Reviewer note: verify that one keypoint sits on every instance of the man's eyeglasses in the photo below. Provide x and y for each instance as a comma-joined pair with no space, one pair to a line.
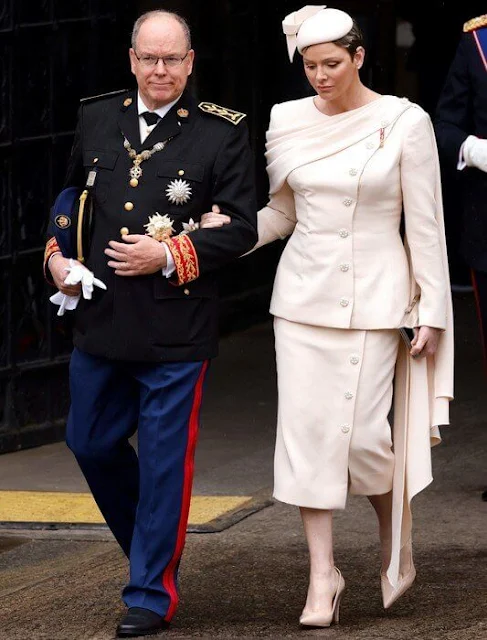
168,61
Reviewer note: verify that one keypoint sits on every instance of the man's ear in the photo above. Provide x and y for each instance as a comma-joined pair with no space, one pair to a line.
190,59
133,60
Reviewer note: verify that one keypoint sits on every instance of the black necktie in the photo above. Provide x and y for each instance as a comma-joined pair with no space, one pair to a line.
150,118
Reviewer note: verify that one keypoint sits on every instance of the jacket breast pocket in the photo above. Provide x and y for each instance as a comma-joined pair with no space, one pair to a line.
180,182
103,162
187,315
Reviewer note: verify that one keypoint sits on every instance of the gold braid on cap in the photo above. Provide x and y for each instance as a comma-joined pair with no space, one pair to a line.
475,23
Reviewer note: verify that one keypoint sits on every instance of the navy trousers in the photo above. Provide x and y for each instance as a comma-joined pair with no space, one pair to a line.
144,498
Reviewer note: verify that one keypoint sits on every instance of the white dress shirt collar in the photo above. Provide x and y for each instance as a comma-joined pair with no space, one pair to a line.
160,112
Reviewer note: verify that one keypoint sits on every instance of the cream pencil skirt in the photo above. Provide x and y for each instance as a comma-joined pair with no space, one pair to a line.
334,397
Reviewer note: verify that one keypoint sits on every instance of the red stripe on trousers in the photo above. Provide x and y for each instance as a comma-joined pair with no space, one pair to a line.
169,575
479,315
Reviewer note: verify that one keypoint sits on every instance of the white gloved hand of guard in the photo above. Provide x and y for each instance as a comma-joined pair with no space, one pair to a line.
475,153
77,274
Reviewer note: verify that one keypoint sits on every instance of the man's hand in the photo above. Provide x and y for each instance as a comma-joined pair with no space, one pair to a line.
425,342
137,255
214,219
58,266
475,152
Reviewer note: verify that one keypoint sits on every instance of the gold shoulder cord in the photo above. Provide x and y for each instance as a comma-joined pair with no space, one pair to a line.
79,231
475,23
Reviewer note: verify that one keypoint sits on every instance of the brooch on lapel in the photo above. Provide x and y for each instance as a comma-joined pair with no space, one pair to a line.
178,192
159,227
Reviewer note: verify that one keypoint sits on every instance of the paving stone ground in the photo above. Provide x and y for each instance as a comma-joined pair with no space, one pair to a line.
249,581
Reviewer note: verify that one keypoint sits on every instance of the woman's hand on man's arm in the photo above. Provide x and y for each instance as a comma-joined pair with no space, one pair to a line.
214,219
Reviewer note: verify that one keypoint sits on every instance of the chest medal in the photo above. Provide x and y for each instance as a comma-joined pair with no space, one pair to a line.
178,192
138,158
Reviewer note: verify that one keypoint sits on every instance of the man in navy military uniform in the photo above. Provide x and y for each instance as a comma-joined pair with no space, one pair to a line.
142,347
461,129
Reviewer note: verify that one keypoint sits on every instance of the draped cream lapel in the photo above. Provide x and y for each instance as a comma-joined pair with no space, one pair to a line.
308,140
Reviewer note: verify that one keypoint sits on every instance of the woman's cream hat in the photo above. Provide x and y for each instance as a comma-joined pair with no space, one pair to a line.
314,24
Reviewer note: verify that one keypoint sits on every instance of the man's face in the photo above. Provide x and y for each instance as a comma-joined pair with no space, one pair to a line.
160,84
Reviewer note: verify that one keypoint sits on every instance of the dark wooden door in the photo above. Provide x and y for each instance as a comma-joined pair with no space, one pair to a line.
52,52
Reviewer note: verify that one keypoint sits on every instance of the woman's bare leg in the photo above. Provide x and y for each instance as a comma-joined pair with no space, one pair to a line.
383,508
318,529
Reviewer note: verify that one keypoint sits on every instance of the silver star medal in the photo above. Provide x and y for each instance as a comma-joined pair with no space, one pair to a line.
178,192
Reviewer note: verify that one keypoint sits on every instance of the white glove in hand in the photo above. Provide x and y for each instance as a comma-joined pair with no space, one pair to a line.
475,152
77,274
66,303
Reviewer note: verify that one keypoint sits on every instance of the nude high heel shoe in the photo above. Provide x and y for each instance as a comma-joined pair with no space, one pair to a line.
389,593
317,619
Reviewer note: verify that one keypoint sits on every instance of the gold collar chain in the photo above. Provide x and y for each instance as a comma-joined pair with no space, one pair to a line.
137,158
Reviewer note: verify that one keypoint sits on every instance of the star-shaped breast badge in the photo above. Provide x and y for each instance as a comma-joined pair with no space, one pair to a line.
178,192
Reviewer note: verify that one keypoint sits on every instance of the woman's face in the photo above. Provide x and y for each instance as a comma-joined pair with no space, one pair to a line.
330,69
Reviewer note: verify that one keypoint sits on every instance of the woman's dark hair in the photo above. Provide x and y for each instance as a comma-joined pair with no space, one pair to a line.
352,40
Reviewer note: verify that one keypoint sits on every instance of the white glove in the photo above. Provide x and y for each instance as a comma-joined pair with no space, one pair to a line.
66,303
475,152
77,274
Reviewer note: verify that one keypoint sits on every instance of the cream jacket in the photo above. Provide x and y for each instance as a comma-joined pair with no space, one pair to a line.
338,187
340,196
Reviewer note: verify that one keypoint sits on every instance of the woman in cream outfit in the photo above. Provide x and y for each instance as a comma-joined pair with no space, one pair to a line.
342,167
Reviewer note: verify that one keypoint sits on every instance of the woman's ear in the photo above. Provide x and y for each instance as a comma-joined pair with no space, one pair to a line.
359,57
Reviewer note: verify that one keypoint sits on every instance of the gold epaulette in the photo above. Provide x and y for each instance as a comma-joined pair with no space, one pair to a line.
222,112
110,94
475,23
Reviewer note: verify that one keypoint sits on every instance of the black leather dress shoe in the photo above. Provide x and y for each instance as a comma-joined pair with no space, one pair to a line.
140,622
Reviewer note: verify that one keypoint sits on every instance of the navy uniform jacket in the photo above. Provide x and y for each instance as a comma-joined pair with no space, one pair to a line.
152,318
462,111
